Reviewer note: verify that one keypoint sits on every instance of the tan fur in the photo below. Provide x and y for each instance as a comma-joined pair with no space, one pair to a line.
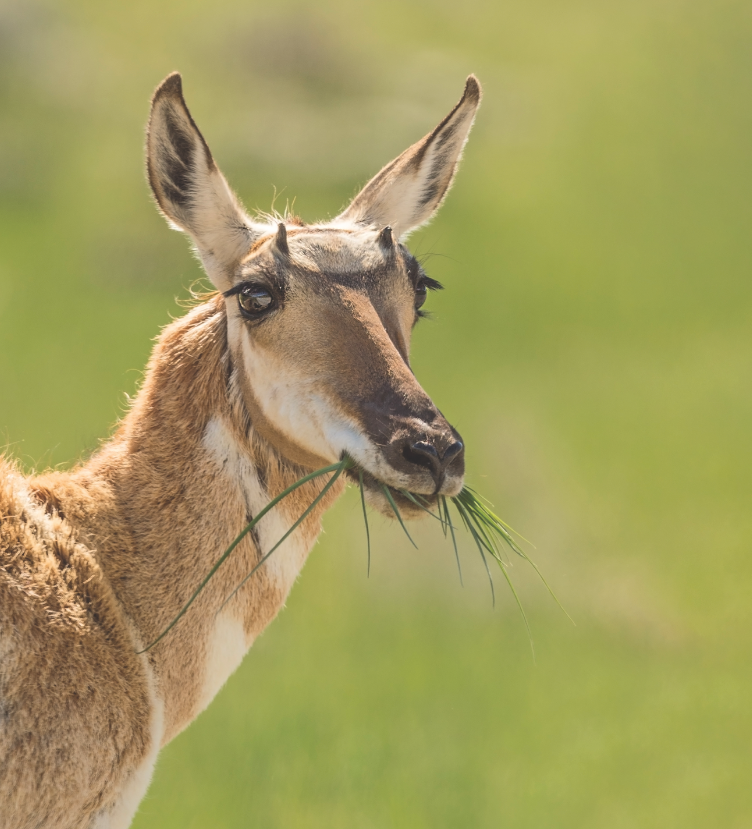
69,677
96,562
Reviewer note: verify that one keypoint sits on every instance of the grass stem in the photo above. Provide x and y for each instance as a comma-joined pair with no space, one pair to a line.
448,519
396,511
345,463
365,519
292,529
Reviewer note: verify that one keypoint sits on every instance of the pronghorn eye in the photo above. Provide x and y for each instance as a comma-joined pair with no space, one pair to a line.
254,301
421,292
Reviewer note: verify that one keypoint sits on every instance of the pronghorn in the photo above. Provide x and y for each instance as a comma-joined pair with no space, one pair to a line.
300,356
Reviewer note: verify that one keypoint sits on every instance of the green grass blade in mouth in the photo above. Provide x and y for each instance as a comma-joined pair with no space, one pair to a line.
483,530
448,521
519,604
471,522
445,514
365,518
482,509
396,511
471,529
345,463
548,587
494,524
486,505
478,531
411,497
292,529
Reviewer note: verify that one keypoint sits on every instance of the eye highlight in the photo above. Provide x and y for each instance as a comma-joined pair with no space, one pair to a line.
254,301
421,293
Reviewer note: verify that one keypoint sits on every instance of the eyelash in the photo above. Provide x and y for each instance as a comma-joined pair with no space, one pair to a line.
431,285
238,289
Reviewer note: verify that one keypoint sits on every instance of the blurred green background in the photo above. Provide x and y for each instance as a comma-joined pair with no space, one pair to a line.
592,345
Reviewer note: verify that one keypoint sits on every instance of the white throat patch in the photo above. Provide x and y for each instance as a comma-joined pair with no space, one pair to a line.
286,562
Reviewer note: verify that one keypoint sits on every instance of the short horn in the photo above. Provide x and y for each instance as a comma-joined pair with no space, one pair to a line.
280,240
386,238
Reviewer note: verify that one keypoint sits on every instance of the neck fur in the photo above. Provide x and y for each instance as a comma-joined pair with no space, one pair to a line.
161,501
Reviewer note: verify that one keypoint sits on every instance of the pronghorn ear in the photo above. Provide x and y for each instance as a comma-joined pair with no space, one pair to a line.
189,188
409,190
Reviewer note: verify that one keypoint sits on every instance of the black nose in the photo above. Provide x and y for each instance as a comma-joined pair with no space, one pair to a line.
425,454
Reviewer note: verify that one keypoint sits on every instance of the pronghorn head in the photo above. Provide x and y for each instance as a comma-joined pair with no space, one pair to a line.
319,317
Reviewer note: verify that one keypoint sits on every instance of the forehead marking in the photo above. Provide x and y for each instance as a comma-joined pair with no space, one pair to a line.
297,230
333,252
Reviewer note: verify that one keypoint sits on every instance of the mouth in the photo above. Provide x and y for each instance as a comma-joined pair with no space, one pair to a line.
384,497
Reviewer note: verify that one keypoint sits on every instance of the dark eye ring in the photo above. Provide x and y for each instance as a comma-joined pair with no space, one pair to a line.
421,292
255,301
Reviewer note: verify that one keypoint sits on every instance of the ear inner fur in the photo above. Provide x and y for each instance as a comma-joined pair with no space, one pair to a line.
177,151
189,188
410,189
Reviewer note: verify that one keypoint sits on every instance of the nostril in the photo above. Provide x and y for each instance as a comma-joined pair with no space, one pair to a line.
422,454
426,455
423,448
452,451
